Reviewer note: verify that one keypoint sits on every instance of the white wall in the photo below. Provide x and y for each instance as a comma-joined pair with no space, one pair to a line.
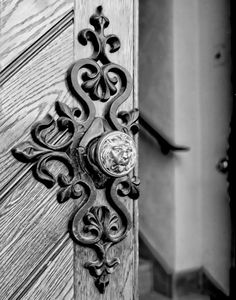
185,90
156,205
187,131
202,115
215,101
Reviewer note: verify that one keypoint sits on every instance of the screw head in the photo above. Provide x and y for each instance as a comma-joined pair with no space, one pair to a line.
223,165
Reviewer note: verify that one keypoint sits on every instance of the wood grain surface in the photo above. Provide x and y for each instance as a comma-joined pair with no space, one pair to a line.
29,95
24,21
31,220
123,23
57,282
31,223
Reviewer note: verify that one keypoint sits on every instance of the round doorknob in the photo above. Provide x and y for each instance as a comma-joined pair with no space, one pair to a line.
115,153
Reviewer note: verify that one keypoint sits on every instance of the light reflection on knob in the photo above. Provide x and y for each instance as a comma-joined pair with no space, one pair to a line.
116,153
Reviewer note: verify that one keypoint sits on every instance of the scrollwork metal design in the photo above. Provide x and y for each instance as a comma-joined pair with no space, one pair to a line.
72,138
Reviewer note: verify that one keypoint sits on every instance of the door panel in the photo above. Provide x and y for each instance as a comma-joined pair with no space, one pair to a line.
57,282
32,222
31,219
23,22
40,257
29,95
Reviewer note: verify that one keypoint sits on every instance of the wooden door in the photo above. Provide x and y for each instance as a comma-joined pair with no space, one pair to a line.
68,225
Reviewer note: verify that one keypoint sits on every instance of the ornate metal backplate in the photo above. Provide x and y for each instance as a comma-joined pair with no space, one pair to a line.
98,152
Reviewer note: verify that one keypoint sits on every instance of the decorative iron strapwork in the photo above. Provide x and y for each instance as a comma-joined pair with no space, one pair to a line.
98,151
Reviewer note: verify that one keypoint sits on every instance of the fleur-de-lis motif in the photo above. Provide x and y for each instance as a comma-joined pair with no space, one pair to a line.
99,84
68,140
99,221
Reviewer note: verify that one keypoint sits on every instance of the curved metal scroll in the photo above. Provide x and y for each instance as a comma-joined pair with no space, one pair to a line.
72,140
